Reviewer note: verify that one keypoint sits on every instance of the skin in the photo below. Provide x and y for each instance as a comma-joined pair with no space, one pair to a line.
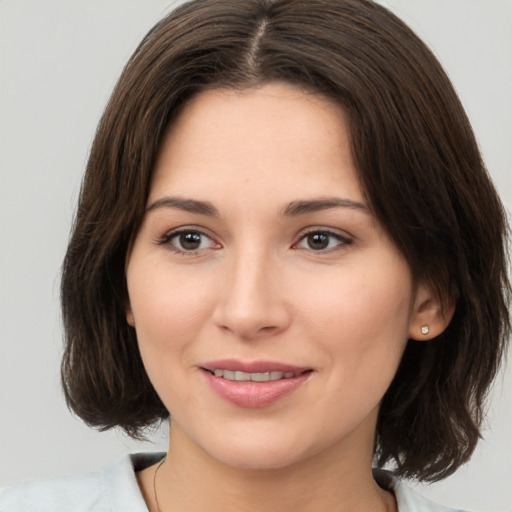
257,288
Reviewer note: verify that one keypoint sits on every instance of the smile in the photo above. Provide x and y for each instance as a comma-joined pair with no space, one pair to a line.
240,376
256,384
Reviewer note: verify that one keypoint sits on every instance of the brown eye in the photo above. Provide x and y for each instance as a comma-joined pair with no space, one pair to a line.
190,241
322,241
318,241
187,241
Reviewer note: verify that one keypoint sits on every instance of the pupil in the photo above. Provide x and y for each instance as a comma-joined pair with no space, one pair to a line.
190,241
318,241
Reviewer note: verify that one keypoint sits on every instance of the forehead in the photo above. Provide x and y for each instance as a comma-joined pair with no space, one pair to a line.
276,133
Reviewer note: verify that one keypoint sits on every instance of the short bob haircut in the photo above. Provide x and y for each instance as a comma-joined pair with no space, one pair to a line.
419,167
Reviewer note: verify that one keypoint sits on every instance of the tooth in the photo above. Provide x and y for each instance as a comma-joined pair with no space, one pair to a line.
229,374
239,376
260,377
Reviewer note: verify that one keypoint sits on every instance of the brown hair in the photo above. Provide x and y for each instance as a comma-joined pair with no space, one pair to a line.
420,170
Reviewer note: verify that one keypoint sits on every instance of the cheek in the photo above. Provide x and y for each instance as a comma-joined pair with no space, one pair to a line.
170,309
360,316
162,298
362,299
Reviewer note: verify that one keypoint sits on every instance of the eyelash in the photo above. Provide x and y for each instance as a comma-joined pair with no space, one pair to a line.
166,240
343,240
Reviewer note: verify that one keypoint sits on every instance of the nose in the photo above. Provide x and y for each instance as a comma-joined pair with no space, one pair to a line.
251,304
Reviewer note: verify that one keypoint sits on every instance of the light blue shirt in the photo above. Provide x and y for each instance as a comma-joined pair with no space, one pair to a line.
116,490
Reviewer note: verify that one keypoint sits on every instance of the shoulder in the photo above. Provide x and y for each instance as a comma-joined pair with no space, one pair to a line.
115,488
73,493
407,499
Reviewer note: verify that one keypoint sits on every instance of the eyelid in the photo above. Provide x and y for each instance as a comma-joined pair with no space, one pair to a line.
343,237
165,239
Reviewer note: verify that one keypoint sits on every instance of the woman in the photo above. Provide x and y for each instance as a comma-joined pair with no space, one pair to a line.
287,240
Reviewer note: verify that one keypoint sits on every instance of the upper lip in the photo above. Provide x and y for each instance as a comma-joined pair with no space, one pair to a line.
252,367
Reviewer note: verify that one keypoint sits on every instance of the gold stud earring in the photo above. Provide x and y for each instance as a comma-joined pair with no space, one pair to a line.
424,329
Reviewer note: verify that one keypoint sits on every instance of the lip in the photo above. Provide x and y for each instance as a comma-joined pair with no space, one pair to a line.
252,367
250,394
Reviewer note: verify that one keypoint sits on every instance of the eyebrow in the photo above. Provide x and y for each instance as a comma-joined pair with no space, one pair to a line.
188,205
293,209
324,203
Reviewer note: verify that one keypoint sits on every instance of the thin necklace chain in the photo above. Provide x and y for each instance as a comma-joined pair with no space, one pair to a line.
154,483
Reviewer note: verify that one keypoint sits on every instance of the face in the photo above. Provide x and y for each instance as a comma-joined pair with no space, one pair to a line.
270,307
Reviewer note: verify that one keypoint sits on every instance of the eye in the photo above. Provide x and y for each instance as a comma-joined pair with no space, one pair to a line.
187,240
322,240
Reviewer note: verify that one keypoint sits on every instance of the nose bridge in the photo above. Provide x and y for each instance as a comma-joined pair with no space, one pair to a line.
252,303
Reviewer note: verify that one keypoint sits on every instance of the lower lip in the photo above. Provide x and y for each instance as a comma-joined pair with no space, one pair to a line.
254,394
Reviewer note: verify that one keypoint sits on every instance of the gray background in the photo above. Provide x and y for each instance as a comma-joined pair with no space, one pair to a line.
59,60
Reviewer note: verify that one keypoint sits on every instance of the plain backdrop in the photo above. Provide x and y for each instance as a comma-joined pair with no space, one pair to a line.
59,60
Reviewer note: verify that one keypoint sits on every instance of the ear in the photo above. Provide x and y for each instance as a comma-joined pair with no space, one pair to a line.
129,316
431,313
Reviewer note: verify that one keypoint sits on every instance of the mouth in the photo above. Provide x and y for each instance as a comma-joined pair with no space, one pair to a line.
256,371
240,376
255,384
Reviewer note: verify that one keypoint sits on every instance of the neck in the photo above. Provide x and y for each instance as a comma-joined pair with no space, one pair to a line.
192,480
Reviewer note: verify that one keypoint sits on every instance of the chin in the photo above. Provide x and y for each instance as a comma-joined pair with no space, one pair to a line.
253,452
